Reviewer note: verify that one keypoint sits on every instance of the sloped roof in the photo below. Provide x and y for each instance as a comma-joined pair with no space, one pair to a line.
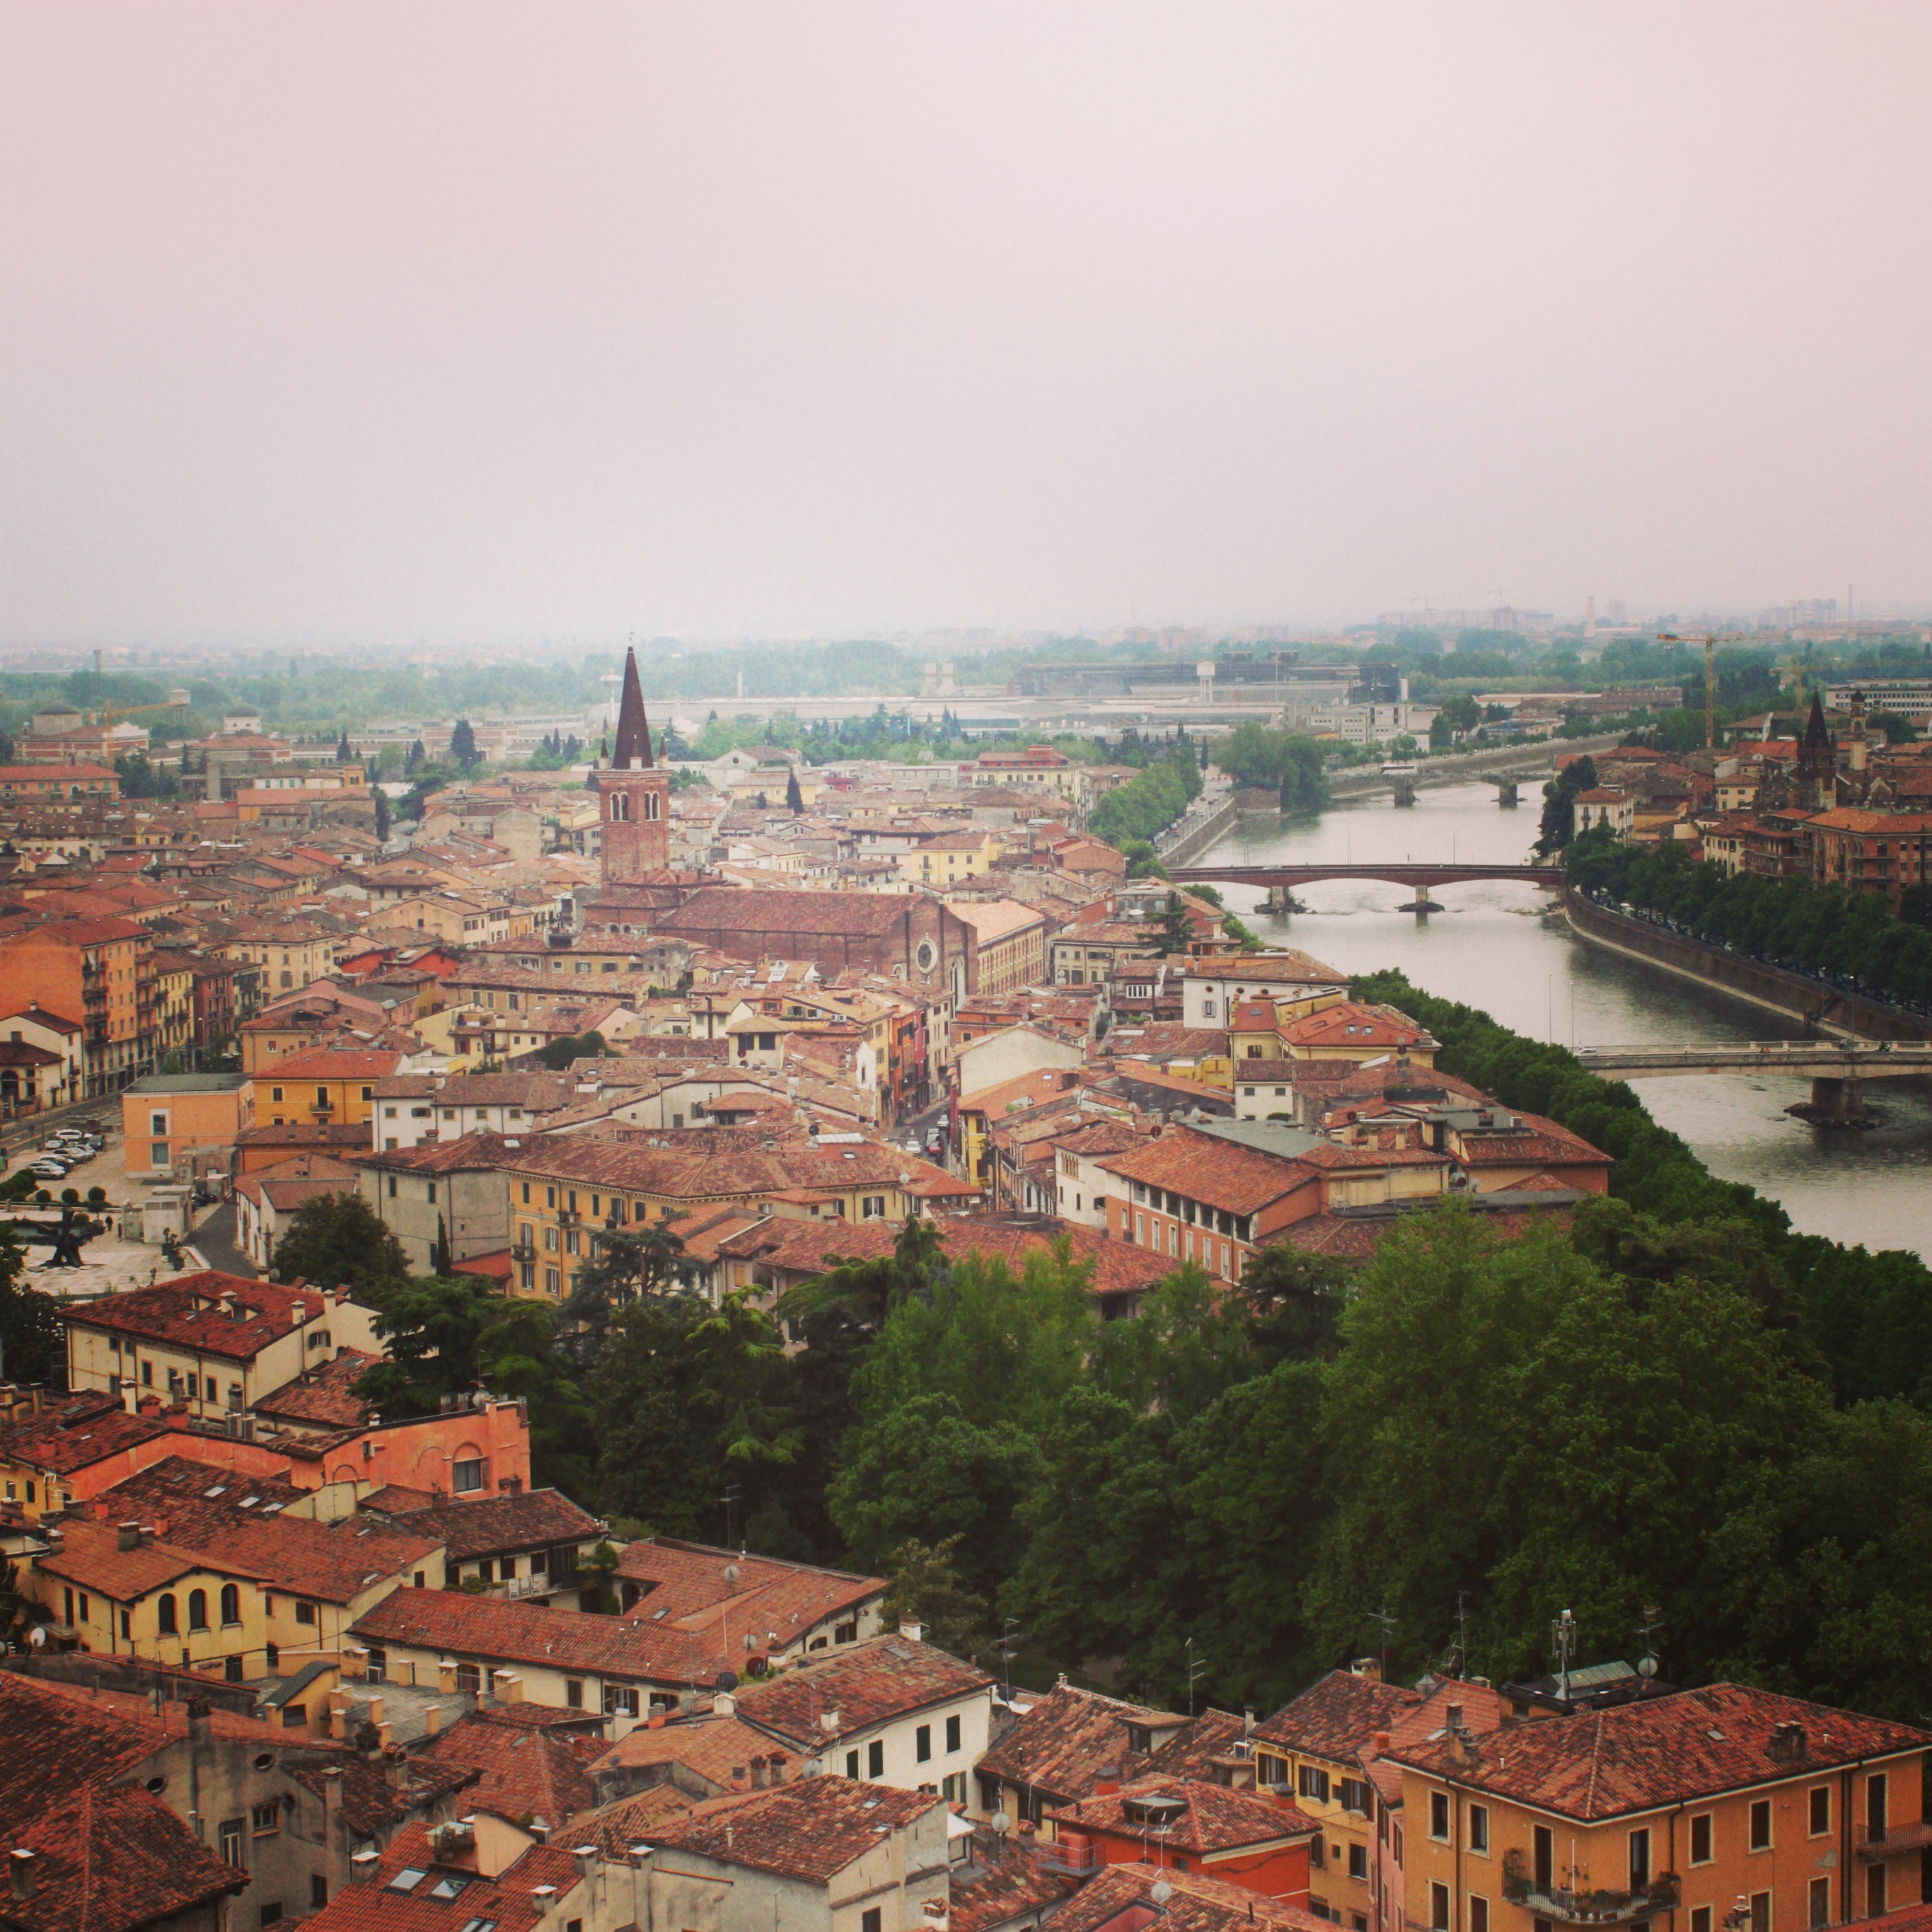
186,1311
1337,1715
1692,1744
1216,1817
1191,1903
810,1831
75,1434
526,1773
491,1524
867,1685
1066,1738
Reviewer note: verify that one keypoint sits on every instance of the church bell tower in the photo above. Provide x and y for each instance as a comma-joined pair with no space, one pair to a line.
634,793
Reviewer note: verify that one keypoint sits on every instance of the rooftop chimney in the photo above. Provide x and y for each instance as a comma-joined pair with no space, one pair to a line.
20,1870
127,1537
912,1629
1369,1667
362,1867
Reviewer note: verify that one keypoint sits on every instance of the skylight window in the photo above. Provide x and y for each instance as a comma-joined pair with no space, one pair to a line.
408,1878
220,1489
247,1502
448,1887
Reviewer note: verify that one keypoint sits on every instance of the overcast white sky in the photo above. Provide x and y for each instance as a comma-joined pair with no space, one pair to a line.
362,321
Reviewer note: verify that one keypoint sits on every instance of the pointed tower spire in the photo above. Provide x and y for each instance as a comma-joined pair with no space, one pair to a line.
633,732
1816,731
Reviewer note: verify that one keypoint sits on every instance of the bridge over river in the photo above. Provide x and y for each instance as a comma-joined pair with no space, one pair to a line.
1835,1067
1278,881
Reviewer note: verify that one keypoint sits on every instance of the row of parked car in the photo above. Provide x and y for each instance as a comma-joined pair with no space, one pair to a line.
62,1152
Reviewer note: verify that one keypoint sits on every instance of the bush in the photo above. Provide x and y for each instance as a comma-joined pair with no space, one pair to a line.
70,1197
96,1196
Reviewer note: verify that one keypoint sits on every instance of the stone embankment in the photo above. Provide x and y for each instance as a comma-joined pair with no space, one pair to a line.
1831,1010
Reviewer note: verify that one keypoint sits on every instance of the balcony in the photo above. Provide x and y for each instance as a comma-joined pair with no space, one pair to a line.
520,1589
1915,1837
1581,1904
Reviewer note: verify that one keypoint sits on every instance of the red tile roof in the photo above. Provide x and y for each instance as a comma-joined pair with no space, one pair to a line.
1243,1180
74,1434
810,1831
1337,1715
507,1901
187,1312
323,1395
1066,1738
1213,1817
91,1557
329,1063
1005,1879
525,1773
232,1520
1691,1745
105,1859
1352,1023
491,1525
866,1685
711,1746
1189,1902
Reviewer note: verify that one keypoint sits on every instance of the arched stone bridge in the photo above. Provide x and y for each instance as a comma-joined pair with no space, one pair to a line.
1281,878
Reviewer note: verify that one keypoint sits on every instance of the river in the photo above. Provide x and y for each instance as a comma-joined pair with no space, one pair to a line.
1493,948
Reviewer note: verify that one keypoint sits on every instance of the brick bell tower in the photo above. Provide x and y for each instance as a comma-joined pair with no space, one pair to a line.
634,793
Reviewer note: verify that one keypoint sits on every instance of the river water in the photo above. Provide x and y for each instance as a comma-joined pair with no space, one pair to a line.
1493,947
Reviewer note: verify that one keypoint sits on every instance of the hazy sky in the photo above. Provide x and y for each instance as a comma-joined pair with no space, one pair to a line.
403,320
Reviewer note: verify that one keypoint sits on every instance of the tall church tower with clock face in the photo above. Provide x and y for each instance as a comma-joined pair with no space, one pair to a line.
633,793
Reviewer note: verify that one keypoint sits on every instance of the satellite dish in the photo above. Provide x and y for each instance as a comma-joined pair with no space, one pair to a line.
1162,1892
1002,1823
1646,1667
726,1680
37,1635
730,1573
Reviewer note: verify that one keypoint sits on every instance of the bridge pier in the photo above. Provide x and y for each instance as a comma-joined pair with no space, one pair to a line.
1424,905
1834,1102
1404,790
1505,791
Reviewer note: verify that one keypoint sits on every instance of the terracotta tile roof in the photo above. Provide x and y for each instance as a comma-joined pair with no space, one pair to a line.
74,1434
1538,1140
1352,1023
686,1582
757,909
1225,1175
507,1901
492,1524
187,1312
1266,969
712,1746
295,1134
323,1395
810,1831
1191,1903
1005,1879
702,1172
1067,1738
867,1685
91,1557
1337,1715
326,1062
523,1774
1692,1744
633,1648
643,1817
1215,1817
303,1177
334,1562
105,1858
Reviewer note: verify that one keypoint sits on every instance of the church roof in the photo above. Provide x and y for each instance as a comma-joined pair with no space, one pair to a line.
633,750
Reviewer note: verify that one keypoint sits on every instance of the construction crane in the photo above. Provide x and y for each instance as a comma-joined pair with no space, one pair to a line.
111,714
1710,641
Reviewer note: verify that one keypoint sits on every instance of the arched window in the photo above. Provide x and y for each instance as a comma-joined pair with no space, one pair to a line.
197,1609
620,806
165,1610
650,805
231,1604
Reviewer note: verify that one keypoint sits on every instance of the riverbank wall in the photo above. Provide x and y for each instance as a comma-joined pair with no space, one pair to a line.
1517,760
1195,835
1826,1009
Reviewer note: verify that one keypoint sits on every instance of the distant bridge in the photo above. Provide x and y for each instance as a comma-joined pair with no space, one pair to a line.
1278,879
1835,1068
1819,1059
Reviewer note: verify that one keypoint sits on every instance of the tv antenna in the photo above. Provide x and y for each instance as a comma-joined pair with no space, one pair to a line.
1456,1663
1008,1644
1196,1670
1385,1618
1653,1618
1563,1639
